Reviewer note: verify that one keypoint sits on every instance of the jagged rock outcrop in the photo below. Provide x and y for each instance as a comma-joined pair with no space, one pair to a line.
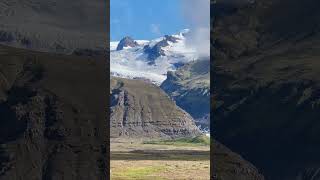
171,38
52,114
126,42
156,51
189,86
56,25
266,84
139,109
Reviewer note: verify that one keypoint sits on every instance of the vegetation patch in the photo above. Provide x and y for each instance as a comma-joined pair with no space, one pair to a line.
141,173
195,141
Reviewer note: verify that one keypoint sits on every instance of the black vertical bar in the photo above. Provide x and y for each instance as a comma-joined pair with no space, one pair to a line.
108,85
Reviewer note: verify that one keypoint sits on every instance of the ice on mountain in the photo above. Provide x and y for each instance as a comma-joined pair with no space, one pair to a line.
135,62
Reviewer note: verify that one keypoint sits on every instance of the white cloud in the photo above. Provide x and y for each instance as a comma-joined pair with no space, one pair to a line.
197,14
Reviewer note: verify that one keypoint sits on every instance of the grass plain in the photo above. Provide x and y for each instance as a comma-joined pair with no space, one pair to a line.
160,159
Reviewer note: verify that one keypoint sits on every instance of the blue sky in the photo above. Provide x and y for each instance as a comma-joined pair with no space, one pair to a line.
145,19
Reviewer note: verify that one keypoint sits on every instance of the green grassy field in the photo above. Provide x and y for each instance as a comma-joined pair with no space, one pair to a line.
196,141
138,173
160,160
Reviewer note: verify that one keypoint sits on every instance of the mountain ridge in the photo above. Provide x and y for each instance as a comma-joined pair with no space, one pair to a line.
150,59
140,109
189,86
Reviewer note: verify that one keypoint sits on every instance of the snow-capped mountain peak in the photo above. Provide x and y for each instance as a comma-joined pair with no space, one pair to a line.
150,60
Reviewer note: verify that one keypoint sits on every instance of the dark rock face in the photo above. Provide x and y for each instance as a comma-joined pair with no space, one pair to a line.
6,36
189,86
126,42
139,109
50,128
309,174
171,38
228,165
25,24
265,74
157,51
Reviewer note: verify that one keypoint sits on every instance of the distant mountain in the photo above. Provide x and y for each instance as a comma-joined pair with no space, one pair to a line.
126,42
55,25
157,50
150,60
140,109
189,86
169,62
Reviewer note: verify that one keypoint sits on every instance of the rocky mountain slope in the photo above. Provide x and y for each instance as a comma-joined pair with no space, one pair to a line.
151,61
228,165
266,84
52,110
140,109
55,25
126,42
189,86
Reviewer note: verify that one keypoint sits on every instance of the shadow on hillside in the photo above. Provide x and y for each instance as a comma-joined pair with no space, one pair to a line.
170,155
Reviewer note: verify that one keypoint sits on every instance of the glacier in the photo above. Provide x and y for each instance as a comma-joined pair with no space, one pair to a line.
133,62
